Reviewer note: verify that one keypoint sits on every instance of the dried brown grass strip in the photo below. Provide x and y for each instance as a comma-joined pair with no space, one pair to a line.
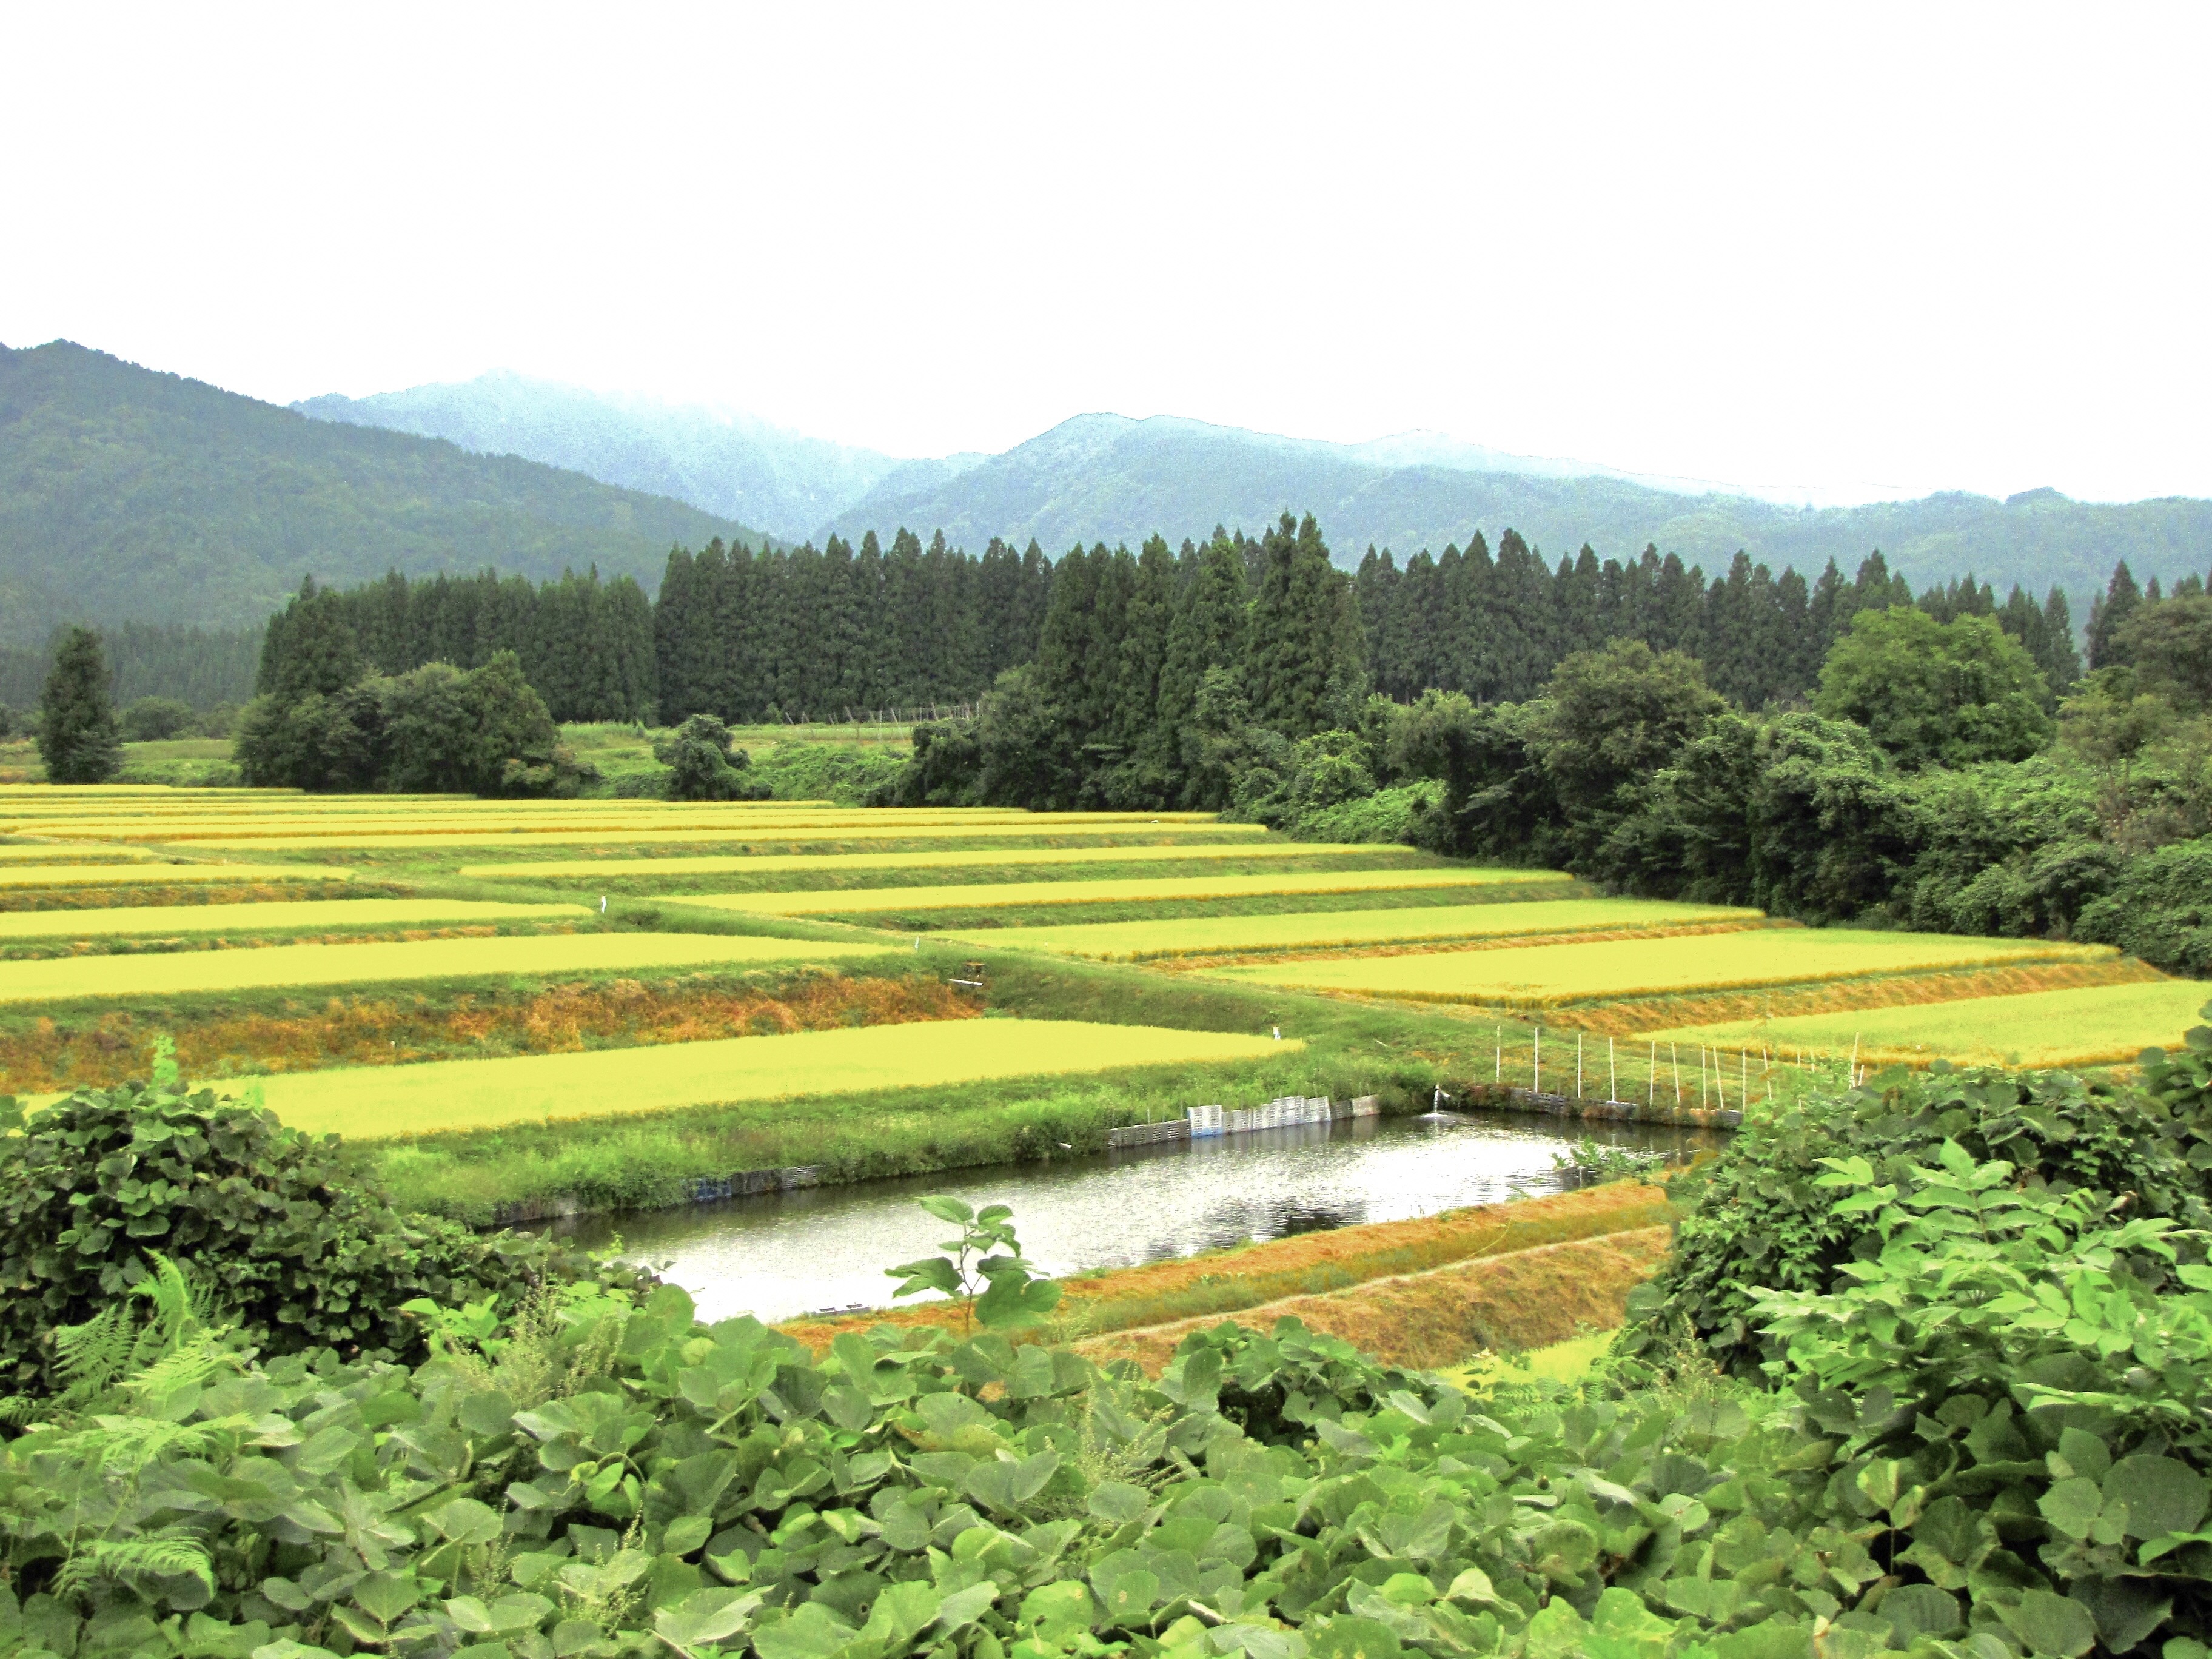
1528,1299
390,1031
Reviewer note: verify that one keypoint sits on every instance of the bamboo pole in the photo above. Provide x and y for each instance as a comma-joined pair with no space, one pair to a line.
1652,1085
1537,1070
1674,1052
1611,1075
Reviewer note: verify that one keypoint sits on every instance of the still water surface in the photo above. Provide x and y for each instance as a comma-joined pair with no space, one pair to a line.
789,1253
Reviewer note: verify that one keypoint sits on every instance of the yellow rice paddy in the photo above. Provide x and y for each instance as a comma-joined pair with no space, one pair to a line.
157,920
1548,975
287,966
159,875
71,855
747,818
722,864
371,1102
1195,936
1135,889
2095,1025
876,827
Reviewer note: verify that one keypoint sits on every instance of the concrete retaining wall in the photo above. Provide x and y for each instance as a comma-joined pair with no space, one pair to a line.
1205,1122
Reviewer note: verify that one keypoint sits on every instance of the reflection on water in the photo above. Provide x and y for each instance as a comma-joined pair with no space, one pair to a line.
788,1253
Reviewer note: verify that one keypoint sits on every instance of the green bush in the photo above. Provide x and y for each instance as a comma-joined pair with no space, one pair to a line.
299,1253
2159,907
703,766
152,720
1765,1219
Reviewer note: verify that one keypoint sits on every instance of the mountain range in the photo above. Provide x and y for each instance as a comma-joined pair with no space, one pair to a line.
129,494
1108,477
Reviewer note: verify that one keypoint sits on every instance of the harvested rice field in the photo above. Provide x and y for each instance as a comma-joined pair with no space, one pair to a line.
720,864
1552,975
864,900
2095,1025
369,1103
1206,936
330,914
301,966
156,874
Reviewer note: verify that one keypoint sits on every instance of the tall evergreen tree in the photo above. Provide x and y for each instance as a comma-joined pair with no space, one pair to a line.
77,738
2108,613
1304,631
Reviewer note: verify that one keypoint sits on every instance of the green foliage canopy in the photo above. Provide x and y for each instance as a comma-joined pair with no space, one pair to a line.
1935,693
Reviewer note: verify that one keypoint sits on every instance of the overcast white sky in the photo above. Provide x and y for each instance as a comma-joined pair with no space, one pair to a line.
1863,250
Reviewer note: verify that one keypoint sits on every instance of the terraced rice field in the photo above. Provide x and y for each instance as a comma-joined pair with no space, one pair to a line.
149,874
301,966
752,864
473,1094
2095,1025
863,901
158,919
1207,936
738,816
876,827
1540,976
70,854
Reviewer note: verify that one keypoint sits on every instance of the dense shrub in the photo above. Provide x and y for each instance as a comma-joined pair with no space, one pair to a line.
298,1250
702,765
151,719
1765,1219
2159,907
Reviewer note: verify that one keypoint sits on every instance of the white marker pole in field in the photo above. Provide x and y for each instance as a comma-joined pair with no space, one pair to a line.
1536,1065
1578,1066
1612,1074
1652,1085
1674,1054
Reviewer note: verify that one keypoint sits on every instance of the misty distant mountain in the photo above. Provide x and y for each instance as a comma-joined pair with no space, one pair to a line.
1106,477
726,464
126,495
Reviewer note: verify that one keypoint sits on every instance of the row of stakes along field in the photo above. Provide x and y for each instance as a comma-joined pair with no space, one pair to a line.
465,893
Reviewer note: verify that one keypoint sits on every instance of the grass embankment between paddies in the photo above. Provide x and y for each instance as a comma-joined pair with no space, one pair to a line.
540,1168
380,1103
64,873
1542,976
773,865
310,915
1133,890
2098,1025
1222,1283
1156,940
239,1033
303,966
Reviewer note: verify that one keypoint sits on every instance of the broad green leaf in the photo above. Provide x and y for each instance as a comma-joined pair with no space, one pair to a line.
2162,1494
2048,1623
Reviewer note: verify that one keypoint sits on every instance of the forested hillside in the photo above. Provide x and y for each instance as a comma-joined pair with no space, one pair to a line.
1102,477
130,495
200,667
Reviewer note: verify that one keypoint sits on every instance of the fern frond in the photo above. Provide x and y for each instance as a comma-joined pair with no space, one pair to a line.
172,1552
127,1445
92,1355
193,1360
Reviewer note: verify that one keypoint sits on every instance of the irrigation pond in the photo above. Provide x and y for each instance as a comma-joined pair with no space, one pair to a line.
825,1249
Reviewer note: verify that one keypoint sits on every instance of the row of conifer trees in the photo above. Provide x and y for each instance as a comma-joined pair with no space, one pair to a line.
1120,639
